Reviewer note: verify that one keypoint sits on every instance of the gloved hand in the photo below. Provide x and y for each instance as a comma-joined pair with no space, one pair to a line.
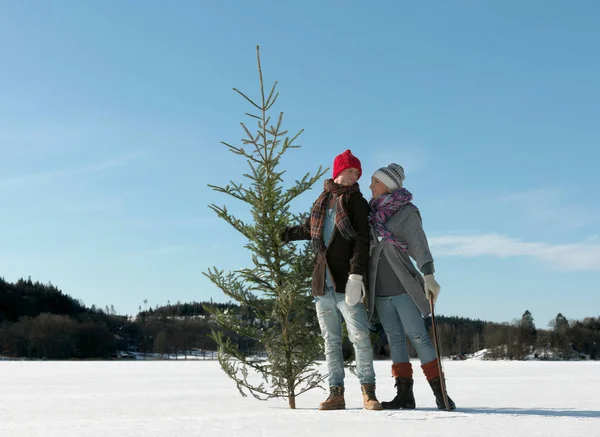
432,288
283,236
355,290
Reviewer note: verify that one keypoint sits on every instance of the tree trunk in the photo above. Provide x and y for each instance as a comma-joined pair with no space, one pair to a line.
292,400
291,382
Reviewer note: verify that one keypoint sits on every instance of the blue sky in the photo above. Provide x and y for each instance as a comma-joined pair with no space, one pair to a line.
112,114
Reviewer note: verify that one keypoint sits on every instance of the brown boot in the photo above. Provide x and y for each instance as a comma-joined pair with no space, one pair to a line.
335,401
369,399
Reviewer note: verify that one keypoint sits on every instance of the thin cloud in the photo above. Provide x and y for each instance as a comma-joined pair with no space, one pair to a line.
47,176
552,206
411,159
160,251
91,207
118,161
22,139
169,222
575,257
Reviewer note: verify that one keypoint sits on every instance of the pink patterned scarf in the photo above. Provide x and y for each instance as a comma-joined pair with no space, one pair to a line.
383,208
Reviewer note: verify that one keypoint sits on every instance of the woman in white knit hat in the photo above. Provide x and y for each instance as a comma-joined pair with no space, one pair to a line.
400,292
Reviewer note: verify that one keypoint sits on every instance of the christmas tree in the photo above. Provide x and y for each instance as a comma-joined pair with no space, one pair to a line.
277,286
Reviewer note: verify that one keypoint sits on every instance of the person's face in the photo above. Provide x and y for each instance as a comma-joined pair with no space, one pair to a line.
348,177
378,188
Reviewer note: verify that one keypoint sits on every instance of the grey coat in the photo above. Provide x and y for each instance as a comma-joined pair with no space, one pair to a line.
405,225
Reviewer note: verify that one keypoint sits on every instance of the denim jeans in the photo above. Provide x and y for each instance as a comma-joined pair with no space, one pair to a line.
400,317
331,307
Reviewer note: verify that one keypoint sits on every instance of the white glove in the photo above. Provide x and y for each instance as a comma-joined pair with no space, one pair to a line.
432,288
355,290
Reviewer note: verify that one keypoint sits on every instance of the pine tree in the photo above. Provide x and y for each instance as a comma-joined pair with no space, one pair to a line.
277,286
560,335
527,334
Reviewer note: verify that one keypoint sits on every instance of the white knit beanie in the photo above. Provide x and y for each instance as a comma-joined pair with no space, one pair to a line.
392,176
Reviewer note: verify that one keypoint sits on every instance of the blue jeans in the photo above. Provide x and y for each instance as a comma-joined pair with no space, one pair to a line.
400,317
331,307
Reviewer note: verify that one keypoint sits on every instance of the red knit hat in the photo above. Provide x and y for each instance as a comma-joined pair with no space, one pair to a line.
344,161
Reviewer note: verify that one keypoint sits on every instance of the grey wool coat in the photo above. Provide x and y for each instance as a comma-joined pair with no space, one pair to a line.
405,225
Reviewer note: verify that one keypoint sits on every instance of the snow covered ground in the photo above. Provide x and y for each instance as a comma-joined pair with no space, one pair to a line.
195,398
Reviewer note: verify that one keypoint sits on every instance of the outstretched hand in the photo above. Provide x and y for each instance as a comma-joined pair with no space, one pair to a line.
283,236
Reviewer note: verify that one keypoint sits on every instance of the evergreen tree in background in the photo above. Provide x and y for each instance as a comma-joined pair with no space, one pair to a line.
560,339
527,334
276,288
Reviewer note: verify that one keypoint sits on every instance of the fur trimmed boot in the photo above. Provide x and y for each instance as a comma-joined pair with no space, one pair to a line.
370,401
336,400
405,398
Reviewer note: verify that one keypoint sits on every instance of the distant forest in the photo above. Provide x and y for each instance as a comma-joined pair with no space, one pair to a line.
38,321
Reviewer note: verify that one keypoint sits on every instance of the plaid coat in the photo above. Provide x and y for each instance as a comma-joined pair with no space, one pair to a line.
342,257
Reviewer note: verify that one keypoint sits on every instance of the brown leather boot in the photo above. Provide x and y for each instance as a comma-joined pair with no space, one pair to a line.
369,399
335,401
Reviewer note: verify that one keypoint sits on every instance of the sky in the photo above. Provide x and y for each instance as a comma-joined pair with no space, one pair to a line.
112,115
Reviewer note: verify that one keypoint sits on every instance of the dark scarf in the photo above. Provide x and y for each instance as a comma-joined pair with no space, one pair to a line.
383,208
342,222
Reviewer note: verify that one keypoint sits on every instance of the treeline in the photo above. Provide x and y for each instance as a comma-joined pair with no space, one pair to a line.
38,321
565,340
519,340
